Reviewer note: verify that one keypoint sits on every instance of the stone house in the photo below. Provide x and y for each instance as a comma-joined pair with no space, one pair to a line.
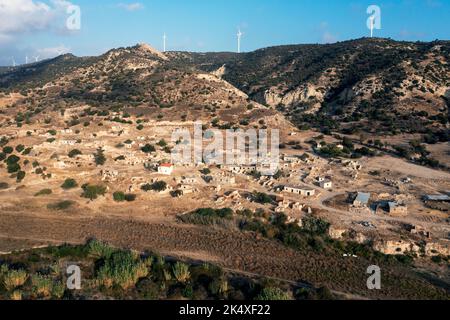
165,168
326,184
307,192
361,200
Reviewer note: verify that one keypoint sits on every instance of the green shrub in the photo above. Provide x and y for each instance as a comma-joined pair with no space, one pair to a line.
43,192
315,225
69,184
13,168
119,196
162,143
99,157
98,249
8,149
157,186
130,197
219,286
93,191
122,268
262,198
273,294
61,205
20,148
58,290
181,272
13,279
20,175
74,152
42,285
12,159
148,148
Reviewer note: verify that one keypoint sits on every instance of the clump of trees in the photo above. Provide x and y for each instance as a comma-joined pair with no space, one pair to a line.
120,196
92,192
148,148
157,186
99,157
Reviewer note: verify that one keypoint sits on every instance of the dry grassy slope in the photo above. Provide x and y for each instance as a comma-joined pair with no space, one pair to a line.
295,74
136,75
138,80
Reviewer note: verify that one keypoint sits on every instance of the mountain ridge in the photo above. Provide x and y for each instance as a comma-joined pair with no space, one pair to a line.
393,86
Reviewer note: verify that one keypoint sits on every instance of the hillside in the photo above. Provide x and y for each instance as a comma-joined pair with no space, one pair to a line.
375,86
394,86
136,80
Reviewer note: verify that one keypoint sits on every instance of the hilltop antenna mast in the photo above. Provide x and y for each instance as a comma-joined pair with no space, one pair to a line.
239,36
164,40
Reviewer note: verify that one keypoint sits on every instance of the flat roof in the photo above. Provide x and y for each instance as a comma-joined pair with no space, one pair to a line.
363,197
437,197
299,188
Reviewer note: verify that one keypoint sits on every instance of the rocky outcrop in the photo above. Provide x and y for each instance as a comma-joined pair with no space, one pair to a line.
395,247
303,94
436,248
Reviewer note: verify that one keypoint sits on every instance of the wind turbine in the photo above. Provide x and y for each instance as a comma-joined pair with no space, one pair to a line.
14,61
239,35
36,59
372,25
164,39
26,59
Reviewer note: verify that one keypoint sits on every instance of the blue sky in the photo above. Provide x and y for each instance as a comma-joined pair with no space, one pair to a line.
211,25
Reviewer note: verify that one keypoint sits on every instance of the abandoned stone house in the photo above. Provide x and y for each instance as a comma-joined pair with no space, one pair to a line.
291,159
223,179
326,184
336,233
267,169
188,180
437,198
419,230
397,210
361,200
186,189
67,142
233,168
109,175
307,192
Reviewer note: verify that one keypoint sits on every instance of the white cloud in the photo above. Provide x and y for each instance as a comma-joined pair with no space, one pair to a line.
45,53
131,6
19,17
